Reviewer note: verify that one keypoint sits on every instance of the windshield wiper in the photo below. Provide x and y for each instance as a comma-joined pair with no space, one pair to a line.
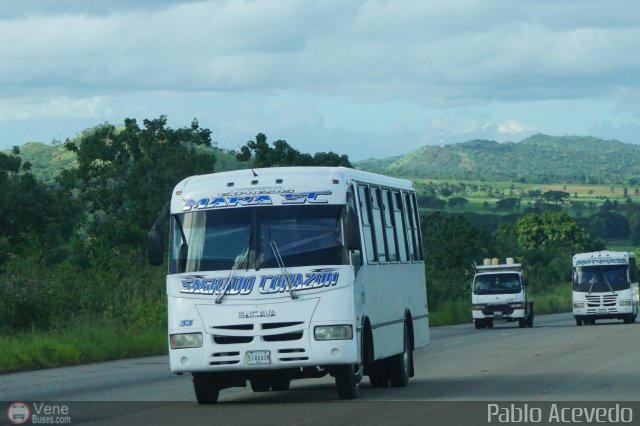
241,258
276,253
606,280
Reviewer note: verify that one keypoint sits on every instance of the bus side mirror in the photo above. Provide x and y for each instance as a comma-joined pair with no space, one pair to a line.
155,247
352,230
155,239
352,233
525,281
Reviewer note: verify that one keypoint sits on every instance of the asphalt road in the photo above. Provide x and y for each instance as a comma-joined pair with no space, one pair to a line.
456,377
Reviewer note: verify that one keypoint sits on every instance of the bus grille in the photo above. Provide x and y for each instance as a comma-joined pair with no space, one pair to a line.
297,354
225,358
229,340
601,300
270,332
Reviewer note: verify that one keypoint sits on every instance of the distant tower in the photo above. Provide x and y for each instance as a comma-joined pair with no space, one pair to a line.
441,133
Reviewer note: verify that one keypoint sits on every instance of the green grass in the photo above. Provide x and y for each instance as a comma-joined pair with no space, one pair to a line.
450,312
556,300
585,193
85,343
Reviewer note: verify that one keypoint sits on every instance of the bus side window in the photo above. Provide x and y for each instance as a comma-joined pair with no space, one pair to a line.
418,236
390,233
400,224
378,224
364,196
410,227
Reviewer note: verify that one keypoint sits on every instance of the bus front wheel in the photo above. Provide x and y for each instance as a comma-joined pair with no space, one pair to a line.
348,381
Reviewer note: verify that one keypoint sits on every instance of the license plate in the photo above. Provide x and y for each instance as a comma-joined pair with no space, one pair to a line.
498,314
258,357
601,311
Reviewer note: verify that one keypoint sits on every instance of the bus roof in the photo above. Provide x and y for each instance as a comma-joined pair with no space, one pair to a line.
604,257
290,175
275,180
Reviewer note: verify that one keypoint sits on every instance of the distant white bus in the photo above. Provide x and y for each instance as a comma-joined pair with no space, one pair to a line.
605,286
285,273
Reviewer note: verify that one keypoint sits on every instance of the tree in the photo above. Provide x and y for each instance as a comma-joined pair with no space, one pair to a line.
125,175
545,243
455,202
508,204
260,154
452,246
550,229
33,217
609,225
557,197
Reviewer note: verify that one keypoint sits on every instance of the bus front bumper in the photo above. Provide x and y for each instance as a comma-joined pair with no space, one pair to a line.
602,312
263,355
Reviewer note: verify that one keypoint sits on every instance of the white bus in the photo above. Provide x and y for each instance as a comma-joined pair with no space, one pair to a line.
605,286
294,272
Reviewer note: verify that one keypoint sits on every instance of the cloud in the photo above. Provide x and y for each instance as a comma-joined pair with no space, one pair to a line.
244,66
512,127
425,52
53,107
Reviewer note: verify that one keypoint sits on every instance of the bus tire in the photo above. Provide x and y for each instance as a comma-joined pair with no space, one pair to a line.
205,388
378,377
348,381
578,321
400,365
522,323
478,323
627,319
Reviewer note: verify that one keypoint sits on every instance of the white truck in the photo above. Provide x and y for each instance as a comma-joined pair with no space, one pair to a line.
498,294
605,286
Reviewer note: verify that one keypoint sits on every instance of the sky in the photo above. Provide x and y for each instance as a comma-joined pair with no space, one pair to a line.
366,78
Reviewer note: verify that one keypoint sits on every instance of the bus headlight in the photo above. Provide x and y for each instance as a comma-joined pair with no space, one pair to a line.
625,303
578,305
187,340
517,305
478,307
333,332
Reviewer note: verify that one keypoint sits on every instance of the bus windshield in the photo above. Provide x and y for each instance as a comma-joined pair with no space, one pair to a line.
217,240
497,284
600,278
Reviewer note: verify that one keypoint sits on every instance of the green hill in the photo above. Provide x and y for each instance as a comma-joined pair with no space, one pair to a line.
538,159
48,160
